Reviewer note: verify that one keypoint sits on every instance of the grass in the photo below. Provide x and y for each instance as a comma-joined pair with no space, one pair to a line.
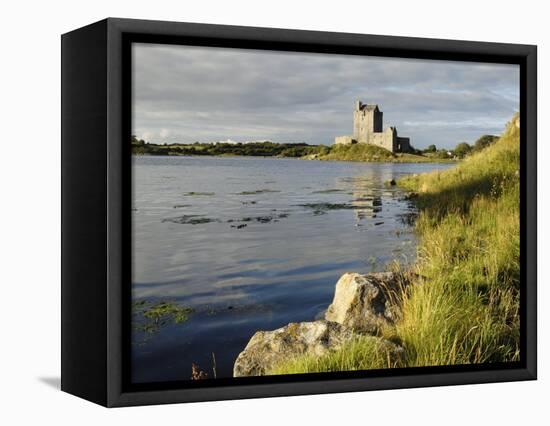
361,353
357,152
464,307
372,153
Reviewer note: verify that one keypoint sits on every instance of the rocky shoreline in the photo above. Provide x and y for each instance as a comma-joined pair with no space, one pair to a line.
470,317
362,306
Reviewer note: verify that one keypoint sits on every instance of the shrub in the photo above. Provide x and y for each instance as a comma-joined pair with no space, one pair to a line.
462,149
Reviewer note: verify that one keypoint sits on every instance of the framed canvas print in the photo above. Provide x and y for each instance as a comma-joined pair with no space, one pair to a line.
253,212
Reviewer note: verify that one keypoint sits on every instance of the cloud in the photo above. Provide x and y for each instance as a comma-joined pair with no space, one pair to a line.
187,93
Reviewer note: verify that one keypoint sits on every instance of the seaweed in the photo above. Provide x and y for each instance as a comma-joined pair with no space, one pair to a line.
329,191
259,219
149,317
199,194
408,218
257,191
190,219
322,208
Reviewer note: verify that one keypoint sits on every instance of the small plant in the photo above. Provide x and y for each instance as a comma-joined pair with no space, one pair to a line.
197,373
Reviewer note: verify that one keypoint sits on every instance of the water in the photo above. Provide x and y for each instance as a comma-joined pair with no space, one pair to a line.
253,244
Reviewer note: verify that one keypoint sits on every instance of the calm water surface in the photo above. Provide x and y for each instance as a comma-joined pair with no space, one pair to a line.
253,244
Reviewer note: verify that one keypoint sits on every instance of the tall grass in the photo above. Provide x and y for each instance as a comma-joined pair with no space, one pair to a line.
361,353
464,306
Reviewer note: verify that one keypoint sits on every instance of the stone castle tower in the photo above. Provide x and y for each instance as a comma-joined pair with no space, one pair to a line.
368,128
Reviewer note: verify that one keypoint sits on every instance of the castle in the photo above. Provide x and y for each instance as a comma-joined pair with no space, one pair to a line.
367,128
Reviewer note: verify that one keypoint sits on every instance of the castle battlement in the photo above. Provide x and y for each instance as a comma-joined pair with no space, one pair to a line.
368,128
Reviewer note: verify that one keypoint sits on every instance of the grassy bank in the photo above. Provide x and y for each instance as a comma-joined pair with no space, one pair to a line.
372,153
464,306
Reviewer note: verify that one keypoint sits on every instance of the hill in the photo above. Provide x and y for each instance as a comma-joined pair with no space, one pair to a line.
370,153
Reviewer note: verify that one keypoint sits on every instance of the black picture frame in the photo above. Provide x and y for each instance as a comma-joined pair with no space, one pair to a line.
96,124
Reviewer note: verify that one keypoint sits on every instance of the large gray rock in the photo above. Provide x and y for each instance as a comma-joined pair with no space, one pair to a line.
363,303
267,348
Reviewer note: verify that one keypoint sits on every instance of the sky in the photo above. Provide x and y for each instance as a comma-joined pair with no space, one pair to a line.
187,93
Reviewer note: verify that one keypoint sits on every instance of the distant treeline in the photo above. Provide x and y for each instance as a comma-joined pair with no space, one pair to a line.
298,150
258,149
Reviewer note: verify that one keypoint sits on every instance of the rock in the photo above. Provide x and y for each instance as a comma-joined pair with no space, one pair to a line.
267,348
363,302
362,305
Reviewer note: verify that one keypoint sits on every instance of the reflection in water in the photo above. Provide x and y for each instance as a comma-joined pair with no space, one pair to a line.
369,195
250,244
369,204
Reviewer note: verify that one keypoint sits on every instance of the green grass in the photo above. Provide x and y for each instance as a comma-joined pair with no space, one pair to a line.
357,152
464,307
372,153
361,353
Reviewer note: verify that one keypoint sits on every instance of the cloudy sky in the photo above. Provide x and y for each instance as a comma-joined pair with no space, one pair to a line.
187,94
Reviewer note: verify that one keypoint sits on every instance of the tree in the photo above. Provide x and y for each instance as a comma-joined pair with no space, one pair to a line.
431,148
136,141
442,153
484,141
462,149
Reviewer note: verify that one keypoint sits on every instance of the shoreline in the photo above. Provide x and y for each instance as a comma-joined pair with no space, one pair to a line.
412,161
459,302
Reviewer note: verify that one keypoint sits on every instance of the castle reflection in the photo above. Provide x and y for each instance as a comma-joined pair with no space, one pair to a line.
367,204
367,195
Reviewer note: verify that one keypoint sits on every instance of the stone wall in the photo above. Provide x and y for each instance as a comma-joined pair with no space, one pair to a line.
403,144
366,122
344,140
384,139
